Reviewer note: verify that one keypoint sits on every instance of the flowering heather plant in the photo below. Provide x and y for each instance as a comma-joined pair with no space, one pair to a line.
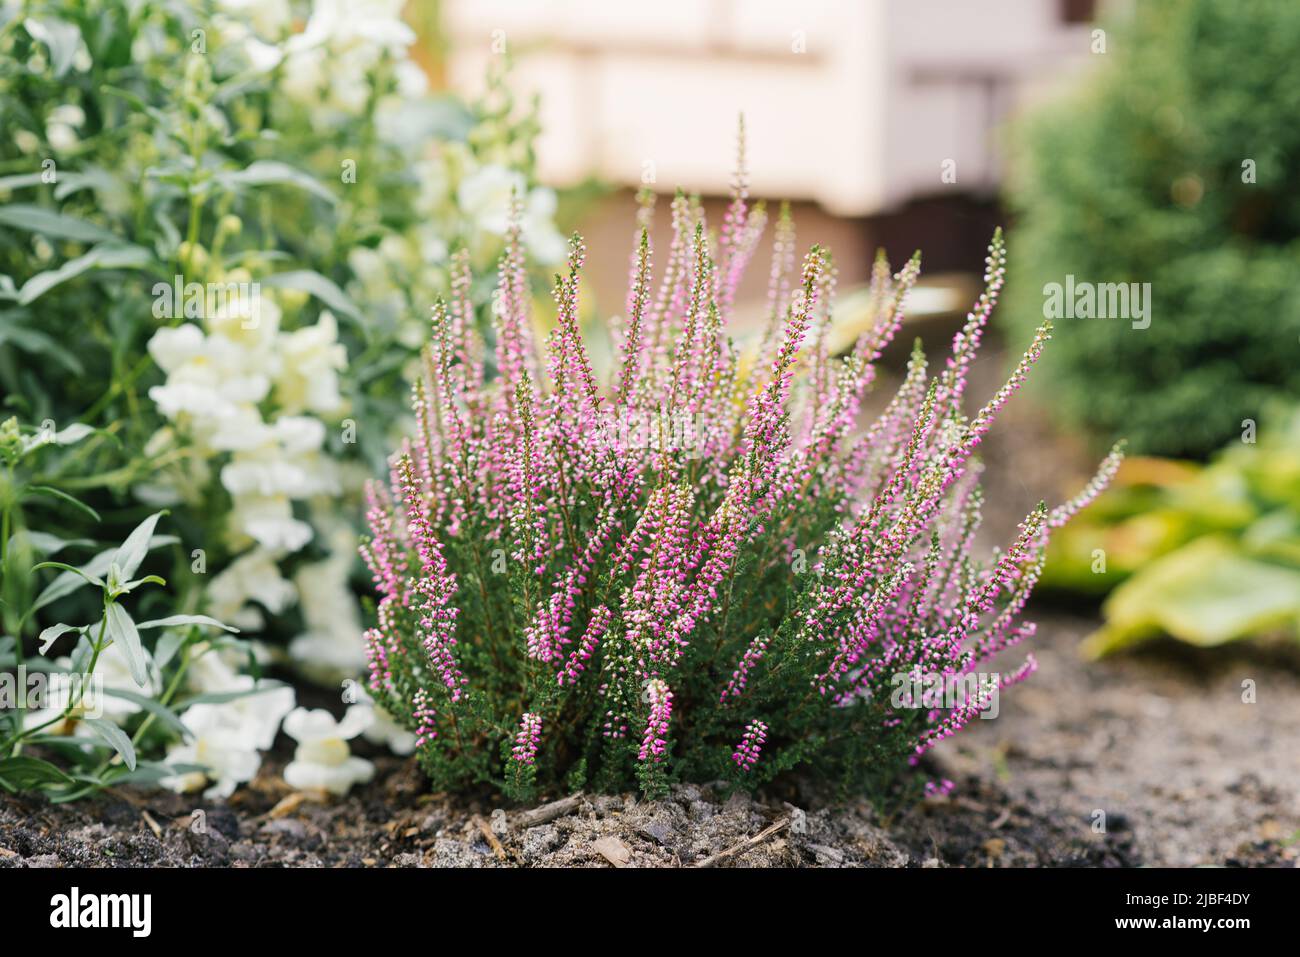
568,601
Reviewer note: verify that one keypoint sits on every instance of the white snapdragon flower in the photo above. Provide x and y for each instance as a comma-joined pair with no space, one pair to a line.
323,758
221,745
343,41
484,197
543,240
386,732
252,577
269,18
311,359
330,648
268,520
61,126
226,737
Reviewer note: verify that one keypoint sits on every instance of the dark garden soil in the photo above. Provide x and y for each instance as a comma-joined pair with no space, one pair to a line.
1145,759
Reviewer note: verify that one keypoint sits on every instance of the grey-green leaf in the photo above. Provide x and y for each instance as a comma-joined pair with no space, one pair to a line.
324,289
132,551
115,738
51,634
62,38
186,620
273,172
122,629
37,219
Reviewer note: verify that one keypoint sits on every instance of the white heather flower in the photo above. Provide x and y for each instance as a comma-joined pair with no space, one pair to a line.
323,758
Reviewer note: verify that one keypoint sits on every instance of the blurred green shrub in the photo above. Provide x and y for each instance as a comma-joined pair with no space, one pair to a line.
1175,164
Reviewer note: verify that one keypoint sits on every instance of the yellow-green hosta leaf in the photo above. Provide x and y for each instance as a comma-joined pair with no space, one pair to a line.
1205,593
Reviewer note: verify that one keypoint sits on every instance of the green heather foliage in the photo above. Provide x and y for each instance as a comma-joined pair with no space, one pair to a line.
1175,165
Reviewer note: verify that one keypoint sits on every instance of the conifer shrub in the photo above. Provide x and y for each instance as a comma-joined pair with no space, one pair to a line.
703,569
1173,164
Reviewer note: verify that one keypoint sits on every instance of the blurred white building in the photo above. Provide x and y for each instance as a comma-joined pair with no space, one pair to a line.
858,105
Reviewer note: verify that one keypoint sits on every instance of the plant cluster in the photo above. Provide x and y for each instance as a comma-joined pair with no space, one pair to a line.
159,160
567,599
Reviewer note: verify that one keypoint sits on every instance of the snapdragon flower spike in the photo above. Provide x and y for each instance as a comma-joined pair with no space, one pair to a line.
536,555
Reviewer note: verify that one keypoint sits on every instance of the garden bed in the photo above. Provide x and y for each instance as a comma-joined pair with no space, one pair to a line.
1187,775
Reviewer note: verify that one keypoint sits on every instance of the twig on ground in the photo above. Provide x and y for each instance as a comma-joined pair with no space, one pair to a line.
548,812
745,845
493,841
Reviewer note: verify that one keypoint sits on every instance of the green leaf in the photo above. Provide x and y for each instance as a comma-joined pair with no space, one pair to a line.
62,38
115,738
36,219
28,772
38,343
186,620
101,257
86,576
165,650
63,496
122,629
221,697
70,581
51,634
132,551
44,542
324,289
1205,593
20,181
156,708
273,173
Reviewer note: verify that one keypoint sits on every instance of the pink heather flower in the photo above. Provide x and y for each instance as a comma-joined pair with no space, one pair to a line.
578,659
746,753
527,738
654,743
425,716
941,788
